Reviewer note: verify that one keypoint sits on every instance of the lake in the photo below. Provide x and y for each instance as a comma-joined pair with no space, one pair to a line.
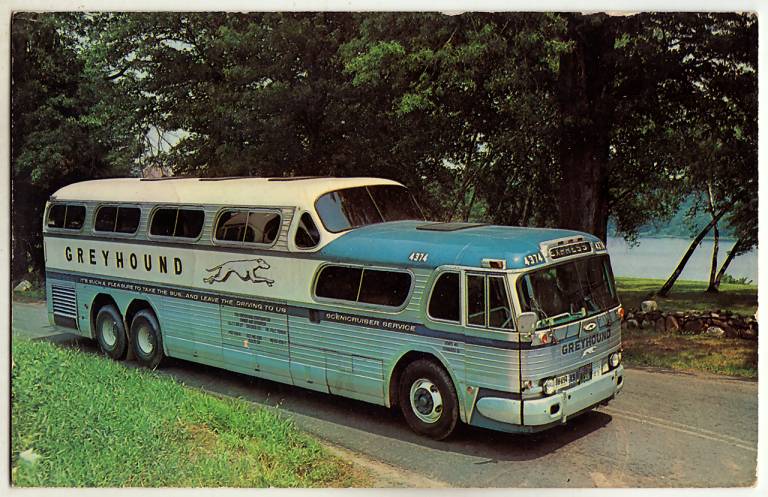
658,257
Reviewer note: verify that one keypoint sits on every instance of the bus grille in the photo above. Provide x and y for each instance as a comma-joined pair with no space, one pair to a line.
64,301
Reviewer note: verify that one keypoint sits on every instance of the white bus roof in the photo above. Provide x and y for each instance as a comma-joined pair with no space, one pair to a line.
245,191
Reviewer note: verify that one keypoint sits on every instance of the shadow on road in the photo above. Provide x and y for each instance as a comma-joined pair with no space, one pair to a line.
315,406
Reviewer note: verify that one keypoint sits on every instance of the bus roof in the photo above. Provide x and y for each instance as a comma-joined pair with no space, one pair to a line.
242,191
393,243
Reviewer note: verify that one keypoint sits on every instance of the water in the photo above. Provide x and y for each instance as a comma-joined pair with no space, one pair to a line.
658,257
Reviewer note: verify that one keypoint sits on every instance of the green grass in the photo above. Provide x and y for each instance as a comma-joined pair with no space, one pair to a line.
727,356
689,295
97,423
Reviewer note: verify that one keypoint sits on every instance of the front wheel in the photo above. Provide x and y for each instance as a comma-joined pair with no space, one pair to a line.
428,399
146,339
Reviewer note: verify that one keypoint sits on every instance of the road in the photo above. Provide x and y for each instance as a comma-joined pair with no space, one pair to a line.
665,430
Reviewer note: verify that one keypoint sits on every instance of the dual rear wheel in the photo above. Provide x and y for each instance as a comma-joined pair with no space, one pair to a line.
146,341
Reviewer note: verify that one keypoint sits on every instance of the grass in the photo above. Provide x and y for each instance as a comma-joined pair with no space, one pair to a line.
689,295
96,423
727,356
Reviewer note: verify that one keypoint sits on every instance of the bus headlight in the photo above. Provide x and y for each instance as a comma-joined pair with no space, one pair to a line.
549,386
615,359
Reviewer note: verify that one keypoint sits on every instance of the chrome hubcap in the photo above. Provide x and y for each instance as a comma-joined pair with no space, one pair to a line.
109,332
144,339
426,401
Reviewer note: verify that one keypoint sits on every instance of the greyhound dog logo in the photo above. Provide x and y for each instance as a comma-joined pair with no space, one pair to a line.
244,269
588,351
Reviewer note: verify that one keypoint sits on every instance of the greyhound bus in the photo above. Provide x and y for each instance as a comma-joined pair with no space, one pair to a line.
340,285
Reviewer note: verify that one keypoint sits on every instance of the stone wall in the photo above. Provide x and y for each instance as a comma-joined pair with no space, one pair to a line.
717,323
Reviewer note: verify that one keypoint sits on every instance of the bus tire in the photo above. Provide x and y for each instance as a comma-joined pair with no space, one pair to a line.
428,399
146,339
110,332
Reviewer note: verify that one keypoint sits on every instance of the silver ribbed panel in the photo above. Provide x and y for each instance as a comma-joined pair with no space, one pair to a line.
64,301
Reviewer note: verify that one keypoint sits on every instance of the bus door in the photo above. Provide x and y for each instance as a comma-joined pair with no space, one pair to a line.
493,347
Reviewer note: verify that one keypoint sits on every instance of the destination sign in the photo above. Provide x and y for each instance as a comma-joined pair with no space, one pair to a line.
571,249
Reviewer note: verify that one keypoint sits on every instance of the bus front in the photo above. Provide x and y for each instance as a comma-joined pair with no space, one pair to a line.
570,324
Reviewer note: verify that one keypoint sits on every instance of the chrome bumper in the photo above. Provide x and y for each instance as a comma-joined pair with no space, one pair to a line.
553,408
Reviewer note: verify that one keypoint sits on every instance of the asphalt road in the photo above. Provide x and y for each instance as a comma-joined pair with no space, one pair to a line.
665,430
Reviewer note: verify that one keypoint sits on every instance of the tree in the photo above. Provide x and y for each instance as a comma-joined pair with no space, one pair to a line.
61,131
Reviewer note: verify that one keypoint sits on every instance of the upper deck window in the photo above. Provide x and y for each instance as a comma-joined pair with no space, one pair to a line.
359,206
247,226
117,219
175,222
366,286
66,216
307,235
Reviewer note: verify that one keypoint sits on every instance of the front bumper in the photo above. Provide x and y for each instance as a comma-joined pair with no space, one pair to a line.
553,409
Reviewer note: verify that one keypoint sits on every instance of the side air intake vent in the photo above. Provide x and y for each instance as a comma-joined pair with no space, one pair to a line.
64,302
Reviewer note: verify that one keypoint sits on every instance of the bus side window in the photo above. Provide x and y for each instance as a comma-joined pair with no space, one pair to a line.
476,300
56,215
307,234
65,216
127,219
445,301
339,282
388,288
105,218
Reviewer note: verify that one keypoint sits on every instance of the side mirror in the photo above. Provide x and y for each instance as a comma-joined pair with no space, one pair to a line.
526,322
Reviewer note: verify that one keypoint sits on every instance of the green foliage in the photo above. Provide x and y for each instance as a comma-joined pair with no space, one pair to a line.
529,119
64,126
94,422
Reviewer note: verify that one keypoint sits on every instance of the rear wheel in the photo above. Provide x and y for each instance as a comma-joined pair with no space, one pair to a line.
428,399
146,339
110,332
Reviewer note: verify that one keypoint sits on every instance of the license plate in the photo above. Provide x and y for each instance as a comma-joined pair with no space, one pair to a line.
571,379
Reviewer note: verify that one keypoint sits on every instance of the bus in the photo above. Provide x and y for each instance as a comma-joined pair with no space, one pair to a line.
340,285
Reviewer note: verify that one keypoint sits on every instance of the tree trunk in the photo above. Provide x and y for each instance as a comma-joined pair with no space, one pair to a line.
731,254
716,246
681,265
586,107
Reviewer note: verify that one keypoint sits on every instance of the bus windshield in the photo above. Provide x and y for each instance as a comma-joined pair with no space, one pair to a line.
354,207
569,291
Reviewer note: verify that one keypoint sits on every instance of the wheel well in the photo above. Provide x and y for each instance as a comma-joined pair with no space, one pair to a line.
100,301
402,363
136,306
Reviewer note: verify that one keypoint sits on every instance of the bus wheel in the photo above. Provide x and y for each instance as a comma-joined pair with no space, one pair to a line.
146,340
428,399
110,332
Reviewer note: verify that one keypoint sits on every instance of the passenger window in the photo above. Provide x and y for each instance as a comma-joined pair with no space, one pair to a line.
163,222
105,219
388,288
75,217
339,282
476,300
128,219
445,301
499,312
182,223
307,234
248,226
56,215
231,226
70,217
189,223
